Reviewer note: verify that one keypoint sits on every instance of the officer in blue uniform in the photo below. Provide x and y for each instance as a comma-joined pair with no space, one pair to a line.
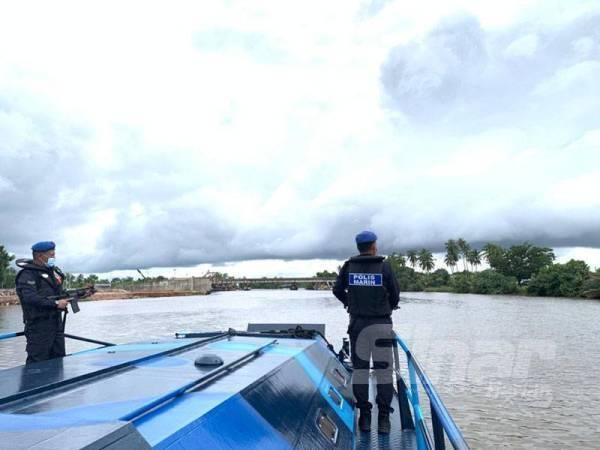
36,282
369,291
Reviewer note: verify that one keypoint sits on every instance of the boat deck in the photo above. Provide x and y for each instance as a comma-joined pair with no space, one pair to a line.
398,439
271,392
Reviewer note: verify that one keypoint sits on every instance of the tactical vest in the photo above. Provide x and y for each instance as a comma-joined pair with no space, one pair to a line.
367,295
44,287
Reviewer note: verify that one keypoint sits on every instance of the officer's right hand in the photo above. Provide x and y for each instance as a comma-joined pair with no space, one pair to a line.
62,304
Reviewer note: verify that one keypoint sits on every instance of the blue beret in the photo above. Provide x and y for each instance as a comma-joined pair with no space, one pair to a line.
43,246
365,236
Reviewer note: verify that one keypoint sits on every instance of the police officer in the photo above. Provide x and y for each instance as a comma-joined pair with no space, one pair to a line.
369,290
38,280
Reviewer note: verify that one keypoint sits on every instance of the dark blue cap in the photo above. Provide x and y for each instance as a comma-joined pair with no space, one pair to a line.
43,246
365,237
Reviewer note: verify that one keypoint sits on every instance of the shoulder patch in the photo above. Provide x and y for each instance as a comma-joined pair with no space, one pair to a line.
45,275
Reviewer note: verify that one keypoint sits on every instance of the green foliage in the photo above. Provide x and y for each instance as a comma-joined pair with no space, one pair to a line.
438,278
591,284
464,249
495,256
526,259
460,283
411,257
487,282
410,280
425,258
492,283
520,261
326,274
396,261
7,273
474,258
452,254
560,280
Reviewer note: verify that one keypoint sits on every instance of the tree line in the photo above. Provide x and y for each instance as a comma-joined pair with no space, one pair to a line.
519,269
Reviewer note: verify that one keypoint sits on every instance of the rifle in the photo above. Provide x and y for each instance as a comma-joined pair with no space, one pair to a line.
74,295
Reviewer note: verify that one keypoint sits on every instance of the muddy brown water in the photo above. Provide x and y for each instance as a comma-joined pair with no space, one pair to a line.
515,372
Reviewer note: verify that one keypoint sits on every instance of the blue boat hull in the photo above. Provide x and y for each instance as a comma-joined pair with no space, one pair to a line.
268,390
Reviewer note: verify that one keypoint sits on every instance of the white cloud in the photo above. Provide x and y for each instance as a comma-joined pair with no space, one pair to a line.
194,133
524,46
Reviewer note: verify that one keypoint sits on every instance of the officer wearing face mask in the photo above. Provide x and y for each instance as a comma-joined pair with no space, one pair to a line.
38,281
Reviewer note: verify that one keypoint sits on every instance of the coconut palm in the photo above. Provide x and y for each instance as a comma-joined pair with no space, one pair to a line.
474,258
464,249
452,254
412,258
425,258
397,261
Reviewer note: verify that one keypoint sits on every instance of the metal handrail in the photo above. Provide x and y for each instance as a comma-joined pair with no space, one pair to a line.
11,335
70,336
442,421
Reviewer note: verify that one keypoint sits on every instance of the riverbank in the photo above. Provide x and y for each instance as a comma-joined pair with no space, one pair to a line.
114,294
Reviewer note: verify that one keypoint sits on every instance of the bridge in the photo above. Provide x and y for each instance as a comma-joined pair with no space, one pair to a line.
287,282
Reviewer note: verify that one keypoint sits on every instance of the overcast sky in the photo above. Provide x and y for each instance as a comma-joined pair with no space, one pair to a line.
173,134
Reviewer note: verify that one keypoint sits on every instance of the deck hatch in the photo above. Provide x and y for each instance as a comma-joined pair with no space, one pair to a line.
327,427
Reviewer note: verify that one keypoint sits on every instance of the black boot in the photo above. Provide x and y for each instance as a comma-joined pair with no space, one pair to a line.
383,422
364,420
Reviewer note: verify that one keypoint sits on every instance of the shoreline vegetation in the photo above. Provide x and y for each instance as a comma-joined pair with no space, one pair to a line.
523,269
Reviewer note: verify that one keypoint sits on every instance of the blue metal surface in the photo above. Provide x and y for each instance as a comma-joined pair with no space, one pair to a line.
11,335
414,398
181,389
234,424
20,382
275,400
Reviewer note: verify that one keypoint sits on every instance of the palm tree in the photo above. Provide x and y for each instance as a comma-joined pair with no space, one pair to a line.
425,258
397,261
464,248
452,254
412,258
494,254
474,258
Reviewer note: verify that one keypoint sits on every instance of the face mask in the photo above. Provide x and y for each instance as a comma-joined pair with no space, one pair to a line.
50,262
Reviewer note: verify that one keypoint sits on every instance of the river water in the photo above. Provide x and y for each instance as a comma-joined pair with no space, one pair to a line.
515,372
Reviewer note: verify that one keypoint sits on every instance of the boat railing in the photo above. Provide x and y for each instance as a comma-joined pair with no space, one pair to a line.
442,423
70,336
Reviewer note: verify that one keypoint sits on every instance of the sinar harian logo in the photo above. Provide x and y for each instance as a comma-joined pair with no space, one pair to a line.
365,279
